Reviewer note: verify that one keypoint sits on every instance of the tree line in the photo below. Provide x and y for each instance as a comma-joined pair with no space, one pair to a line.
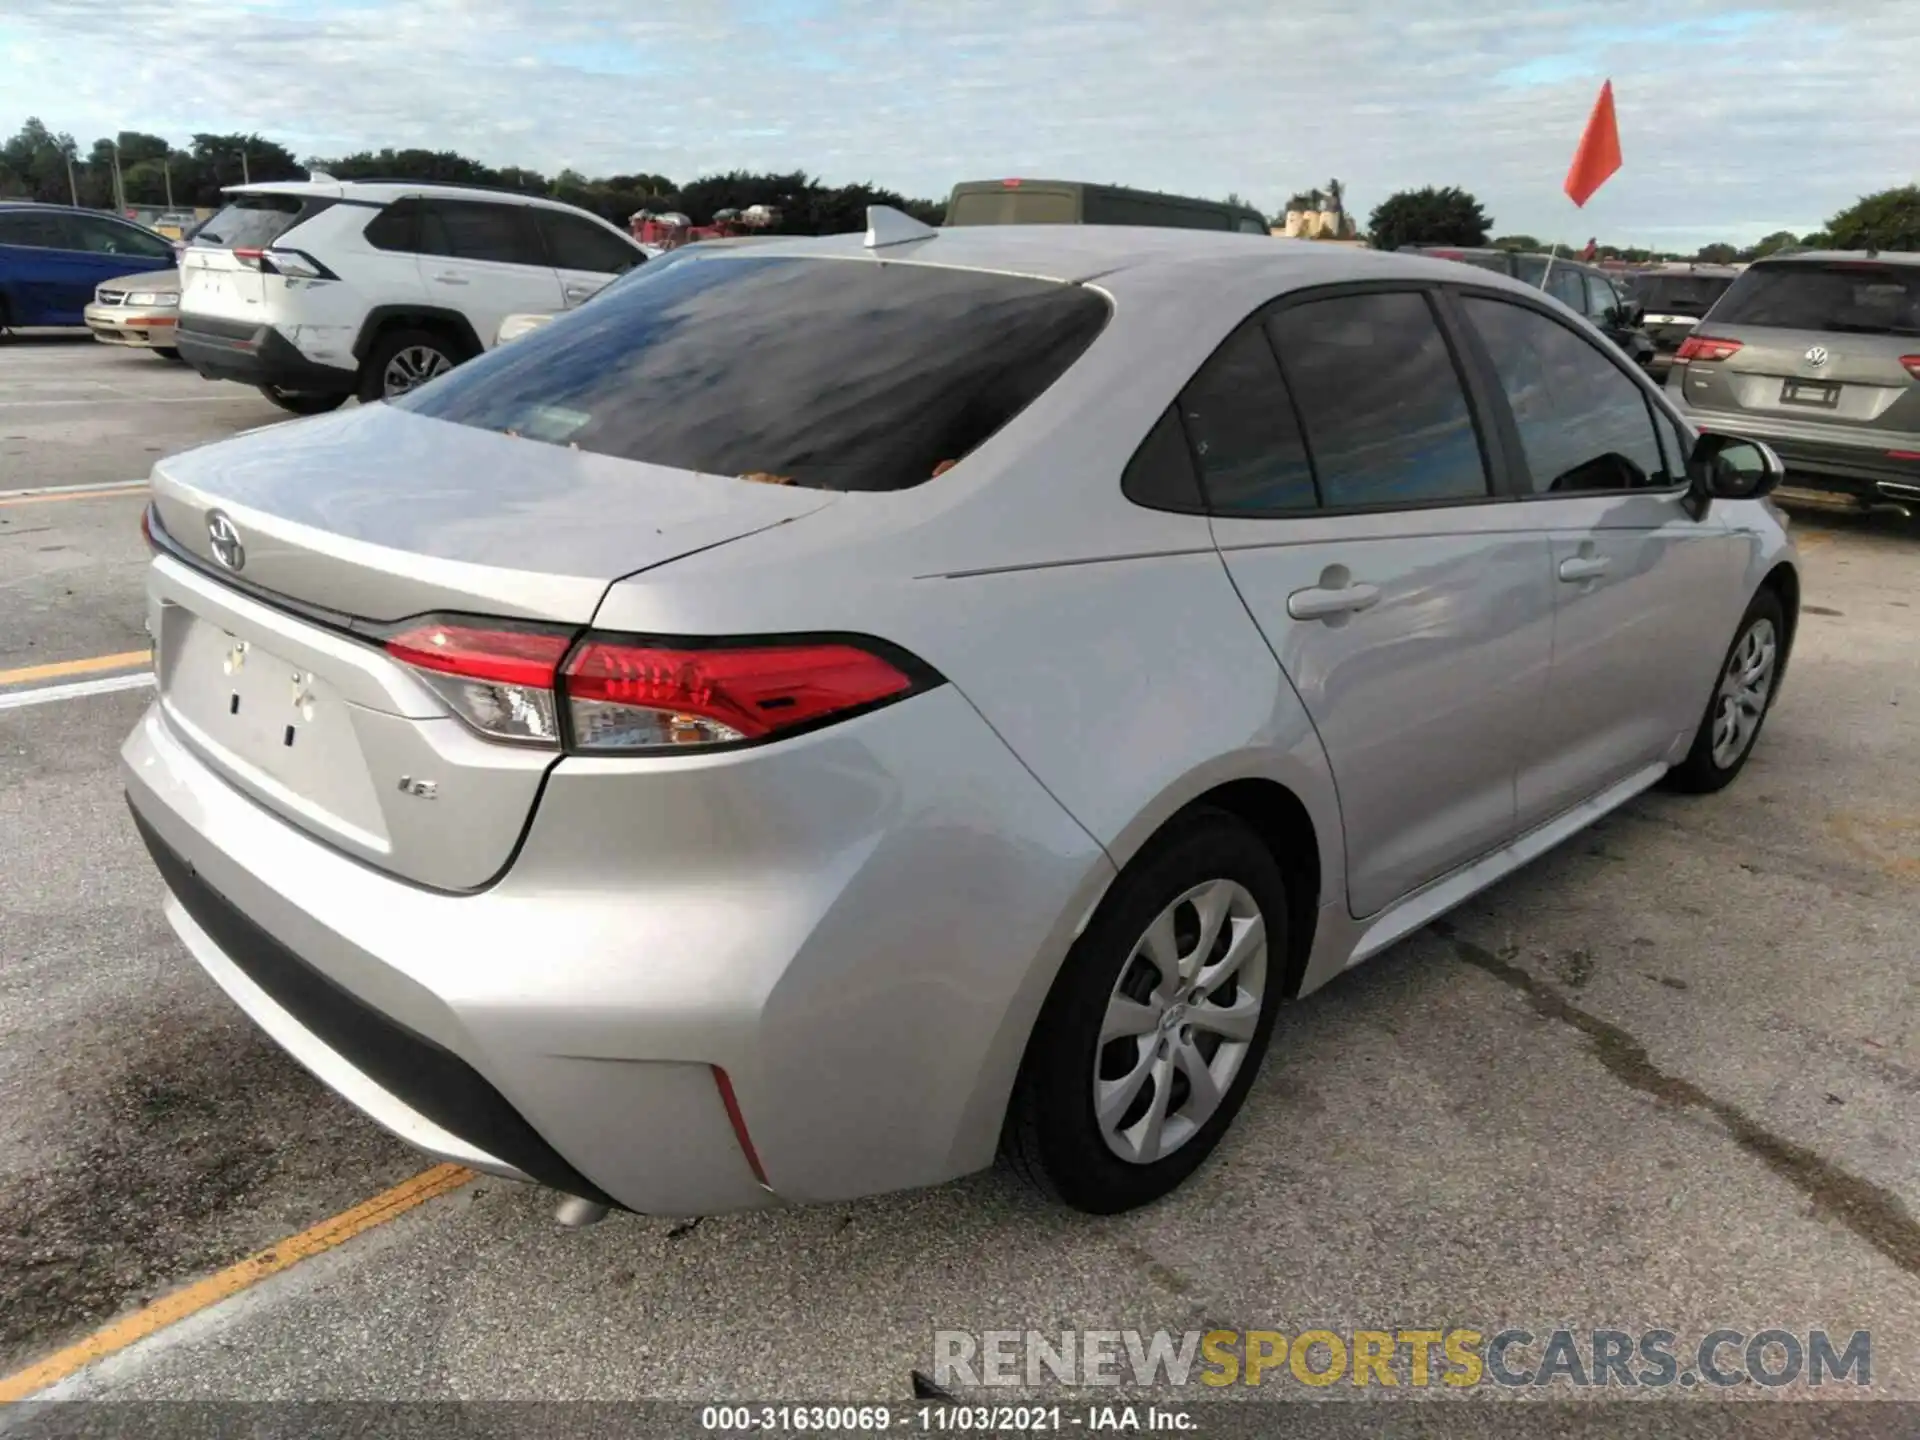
1886,220
37,164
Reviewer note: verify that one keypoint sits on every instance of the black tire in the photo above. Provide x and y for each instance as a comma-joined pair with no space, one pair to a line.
373,372
1053,1136
169,354
303,402
1701,773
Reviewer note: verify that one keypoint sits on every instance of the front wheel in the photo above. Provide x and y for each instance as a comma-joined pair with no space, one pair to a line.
1741,699
1153,1031
302,402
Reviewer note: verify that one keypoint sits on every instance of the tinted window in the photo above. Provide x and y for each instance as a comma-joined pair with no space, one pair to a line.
106,237
397,227
1386,419
1681,294
1014,207
1530,269
1161,473
39,230
1675,445
1566,285
835,374
1853,296
251,221
476,230
1583,424
1242,428
1600,298
575,243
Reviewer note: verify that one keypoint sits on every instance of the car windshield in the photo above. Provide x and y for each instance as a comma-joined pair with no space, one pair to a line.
832,374
1857,297
250,221
1680,294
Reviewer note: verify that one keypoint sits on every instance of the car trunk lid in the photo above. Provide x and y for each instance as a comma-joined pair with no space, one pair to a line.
220,274
268,619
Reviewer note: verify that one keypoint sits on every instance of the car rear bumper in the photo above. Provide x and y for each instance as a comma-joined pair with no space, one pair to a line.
857,933
256,355
122,325
1868,465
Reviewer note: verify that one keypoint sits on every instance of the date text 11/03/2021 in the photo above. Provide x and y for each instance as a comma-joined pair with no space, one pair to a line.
942,1419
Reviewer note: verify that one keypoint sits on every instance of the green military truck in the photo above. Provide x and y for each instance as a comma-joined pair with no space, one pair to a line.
1067,202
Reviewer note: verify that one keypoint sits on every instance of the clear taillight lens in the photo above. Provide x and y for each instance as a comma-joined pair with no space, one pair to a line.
500,681
626,694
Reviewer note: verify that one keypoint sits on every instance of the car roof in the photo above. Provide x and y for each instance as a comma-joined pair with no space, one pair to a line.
1079,253
386,191
1875,257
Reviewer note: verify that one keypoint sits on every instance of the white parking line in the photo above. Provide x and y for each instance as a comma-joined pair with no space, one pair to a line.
46,695
133,400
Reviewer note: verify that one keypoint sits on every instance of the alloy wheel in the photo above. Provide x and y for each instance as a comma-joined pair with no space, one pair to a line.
412,367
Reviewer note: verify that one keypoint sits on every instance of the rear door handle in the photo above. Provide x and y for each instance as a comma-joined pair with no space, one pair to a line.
1584,567
1325,602
450,279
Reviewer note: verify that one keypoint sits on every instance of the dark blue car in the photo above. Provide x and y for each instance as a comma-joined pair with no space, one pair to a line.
51,257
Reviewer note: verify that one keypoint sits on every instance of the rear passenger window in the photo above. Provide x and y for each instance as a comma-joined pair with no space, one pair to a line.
1243,430
1566,286
1584,425
576,243
1386,417
1161,474
476,230
397,227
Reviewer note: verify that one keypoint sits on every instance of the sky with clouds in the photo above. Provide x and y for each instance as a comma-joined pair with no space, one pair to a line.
1737,117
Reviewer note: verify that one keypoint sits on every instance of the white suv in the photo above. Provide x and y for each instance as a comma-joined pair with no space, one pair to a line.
322,289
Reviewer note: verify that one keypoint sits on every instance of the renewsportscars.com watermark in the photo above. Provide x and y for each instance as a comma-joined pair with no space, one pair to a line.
1453,1357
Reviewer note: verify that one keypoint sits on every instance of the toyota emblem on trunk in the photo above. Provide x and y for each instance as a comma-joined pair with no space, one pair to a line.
1817,355
224,538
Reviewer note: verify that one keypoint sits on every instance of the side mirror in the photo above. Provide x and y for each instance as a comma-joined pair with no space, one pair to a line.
1727,467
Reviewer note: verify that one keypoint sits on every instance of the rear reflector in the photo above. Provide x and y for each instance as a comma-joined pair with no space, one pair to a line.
627,694
739,1123
1903,454
1701,347
1912,364
146,526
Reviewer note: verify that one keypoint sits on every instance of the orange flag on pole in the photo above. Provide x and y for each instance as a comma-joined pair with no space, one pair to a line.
1599,153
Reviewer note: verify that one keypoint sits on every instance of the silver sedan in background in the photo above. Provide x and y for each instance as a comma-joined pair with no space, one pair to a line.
838,710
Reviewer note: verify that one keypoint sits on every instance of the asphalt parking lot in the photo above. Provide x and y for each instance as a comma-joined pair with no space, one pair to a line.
1663,1078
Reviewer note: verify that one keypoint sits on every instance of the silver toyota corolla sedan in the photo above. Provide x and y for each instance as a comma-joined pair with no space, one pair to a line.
841,709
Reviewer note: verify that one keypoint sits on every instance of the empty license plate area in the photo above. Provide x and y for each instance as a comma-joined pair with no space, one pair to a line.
279,730
1816,394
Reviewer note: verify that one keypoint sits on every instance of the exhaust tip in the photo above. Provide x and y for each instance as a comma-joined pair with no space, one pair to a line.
576,1213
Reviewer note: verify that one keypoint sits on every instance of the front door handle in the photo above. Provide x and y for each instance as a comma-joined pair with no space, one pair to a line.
1576,568
1324,602
582,292
445,278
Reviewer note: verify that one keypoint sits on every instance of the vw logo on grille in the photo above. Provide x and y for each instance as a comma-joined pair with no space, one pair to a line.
1817,355
224,538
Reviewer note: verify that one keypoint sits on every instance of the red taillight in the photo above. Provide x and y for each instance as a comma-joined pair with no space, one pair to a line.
1912,364
146,526
635,695
1010,184
249,255
625,693
1701,347
499,680
1446,255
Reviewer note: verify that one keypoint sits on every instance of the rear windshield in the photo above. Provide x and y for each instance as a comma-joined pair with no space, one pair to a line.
1680,294
1014,207
1857,297
250,221
830,374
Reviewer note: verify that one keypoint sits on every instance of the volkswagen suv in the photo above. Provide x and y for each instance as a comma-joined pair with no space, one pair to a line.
1819,355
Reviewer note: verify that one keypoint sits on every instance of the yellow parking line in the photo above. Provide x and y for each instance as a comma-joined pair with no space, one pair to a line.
104,493
196,1297
58,669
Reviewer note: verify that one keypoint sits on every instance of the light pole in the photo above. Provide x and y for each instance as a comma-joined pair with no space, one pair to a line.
166,169
119,184
73,190
245,177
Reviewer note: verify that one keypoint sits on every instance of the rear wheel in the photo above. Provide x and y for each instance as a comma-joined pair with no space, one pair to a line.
303,402
403,360
167,352
1156,1025
1741,698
